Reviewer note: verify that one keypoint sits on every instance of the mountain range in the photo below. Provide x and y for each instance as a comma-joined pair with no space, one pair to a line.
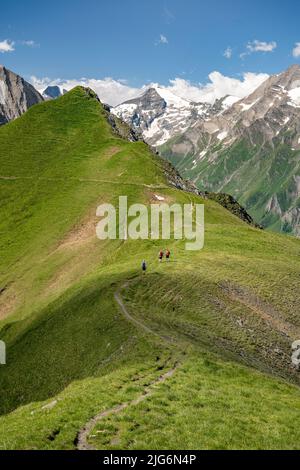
159,114
249,148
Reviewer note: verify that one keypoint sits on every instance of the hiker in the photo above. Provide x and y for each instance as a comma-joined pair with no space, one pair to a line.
160,256
144,266
168,254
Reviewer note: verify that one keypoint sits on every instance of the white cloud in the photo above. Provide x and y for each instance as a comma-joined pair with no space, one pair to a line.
258,46
162,40
228,53
244,54
218,86
7,46
296,50
110,91
115,92
261,46
29,43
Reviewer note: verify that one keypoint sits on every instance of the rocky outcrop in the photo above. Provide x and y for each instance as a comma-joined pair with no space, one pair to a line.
121,128
16,95
227,201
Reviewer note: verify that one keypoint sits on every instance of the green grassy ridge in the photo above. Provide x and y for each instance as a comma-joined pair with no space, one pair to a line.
65,315
38,212
48,207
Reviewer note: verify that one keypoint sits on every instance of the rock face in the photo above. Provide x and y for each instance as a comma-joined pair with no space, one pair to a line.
159,114
251,150
16,95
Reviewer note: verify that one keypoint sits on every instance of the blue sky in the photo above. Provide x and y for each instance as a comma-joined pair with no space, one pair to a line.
148,41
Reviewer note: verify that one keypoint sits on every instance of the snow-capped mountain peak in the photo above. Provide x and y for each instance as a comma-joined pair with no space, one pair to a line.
160,114
170,98
53,91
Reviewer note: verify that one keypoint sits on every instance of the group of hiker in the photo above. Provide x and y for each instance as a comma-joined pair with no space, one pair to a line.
161,256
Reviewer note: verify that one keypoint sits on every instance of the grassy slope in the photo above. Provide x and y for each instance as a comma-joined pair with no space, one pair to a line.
67,337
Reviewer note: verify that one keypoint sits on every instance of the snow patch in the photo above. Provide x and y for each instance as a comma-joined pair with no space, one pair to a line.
245,106
295,97
171,99
124,110
156,130
229,101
